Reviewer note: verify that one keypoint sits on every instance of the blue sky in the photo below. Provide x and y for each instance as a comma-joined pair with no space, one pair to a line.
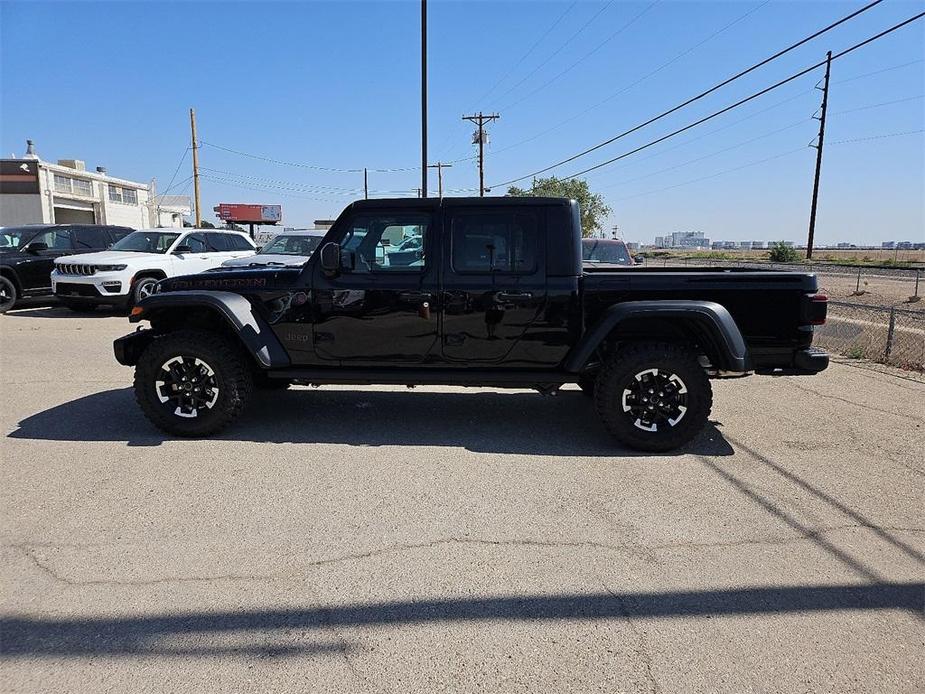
336,85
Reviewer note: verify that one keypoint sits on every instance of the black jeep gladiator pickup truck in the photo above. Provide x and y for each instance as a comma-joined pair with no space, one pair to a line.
473,292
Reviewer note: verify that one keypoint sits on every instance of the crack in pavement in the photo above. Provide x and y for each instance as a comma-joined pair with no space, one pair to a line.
861,405
643,552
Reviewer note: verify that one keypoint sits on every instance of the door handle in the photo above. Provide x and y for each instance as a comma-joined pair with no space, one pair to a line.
513,296
415,296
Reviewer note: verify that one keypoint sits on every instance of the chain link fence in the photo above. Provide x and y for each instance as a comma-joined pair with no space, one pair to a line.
884,334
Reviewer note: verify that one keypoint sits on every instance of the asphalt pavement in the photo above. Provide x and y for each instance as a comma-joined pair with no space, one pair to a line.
447,539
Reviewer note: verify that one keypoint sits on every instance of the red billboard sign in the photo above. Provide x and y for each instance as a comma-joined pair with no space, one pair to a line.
249,214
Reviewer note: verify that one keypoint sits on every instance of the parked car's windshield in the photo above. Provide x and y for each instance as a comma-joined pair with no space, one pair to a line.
604,251
146,242
291,245
14,238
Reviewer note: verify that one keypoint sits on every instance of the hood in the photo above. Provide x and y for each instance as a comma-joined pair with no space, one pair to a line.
110,257
267,259
232,279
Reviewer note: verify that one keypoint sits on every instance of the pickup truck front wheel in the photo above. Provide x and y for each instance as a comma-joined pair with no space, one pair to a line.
191,383
653,396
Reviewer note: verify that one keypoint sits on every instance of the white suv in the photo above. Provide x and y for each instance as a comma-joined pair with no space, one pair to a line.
128,271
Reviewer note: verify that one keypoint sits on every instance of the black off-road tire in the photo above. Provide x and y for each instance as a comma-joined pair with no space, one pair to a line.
231,374
620,373
8,294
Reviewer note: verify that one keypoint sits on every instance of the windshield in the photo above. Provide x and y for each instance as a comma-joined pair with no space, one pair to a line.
603,251
14,238
291,245
146,242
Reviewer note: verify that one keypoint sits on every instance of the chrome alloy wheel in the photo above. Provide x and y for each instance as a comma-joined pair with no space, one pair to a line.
186,385
654,399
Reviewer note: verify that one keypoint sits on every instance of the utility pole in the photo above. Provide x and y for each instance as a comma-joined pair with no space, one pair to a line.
365,184
192,123
439,166
423,98
480,137
818,146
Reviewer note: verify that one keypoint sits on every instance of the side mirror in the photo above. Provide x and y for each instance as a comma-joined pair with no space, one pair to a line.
330,257
36,247
182,249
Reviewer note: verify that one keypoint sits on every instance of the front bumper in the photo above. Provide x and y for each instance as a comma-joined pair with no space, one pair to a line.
103,288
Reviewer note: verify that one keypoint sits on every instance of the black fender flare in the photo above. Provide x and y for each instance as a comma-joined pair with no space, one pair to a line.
254,332
712,319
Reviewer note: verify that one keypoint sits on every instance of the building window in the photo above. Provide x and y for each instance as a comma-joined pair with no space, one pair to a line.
127,196
76,186
62,184
82,187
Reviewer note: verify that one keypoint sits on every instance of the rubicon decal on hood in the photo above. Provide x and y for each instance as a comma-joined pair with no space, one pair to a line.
216,283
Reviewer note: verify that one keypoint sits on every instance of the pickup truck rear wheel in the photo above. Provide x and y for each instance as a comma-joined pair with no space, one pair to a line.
653,396
191,383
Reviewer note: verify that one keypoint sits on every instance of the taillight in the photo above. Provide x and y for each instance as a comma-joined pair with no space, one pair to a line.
818,308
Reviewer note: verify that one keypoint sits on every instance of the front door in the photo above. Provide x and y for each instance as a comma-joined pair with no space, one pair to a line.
36,274
494,282
380,308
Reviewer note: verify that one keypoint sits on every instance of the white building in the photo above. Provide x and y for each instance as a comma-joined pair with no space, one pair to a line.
33,191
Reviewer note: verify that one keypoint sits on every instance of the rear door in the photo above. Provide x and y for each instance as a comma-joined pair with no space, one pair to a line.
228,246
494,285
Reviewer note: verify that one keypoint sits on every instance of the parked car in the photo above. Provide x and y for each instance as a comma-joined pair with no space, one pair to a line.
27,255
130,270
602,252
499,298
288,249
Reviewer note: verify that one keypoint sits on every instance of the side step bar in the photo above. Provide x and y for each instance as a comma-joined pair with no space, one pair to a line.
424,377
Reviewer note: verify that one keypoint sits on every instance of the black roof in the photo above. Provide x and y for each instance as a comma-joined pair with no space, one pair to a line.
457,202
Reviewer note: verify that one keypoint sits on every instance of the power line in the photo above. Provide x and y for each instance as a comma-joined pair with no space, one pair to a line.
523,57
175,172
701,95
881,71
558,50
776,131
639,81
715,175
882,103
737,103
877,137
587,55
305,166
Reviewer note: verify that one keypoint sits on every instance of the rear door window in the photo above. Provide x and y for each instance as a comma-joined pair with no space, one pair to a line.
89,238
494,241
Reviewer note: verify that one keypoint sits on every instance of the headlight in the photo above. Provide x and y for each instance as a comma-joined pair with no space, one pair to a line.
110,268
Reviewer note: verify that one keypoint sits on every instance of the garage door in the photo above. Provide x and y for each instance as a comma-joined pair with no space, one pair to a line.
67,215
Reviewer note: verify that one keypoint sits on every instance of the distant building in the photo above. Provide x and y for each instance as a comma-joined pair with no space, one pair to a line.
904,245
33,191
759,244
745,245
689,239
662,241
632,245
888,245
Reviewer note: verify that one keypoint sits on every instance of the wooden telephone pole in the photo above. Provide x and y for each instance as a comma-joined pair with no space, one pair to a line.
480,137
818,146
192,123
439,166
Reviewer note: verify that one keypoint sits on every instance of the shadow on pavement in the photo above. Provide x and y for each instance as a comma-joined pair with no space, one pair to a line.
488,422
46,309
189,633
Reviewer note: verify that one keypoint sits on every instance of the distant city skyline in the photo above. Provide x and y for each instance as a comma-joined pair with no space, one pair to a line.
294,116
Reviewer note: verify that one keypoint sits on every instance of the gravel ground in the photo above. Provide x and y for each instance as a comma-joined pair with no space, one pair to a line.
375,539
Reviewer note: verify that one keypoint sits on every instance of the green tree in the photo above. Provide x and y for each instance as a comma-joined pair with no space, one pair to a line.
780,252
593,209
